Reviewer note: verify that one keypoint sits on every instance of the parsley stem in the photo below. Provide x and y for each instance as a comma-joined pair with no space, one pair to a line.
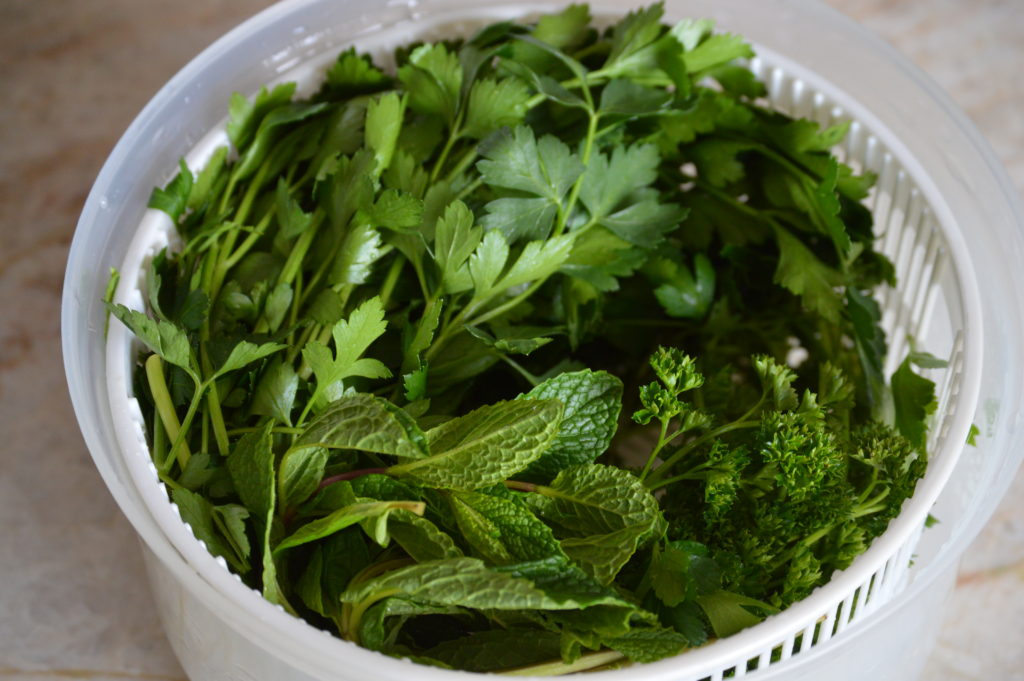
165,407
220,434
662,441
588,147
522,486
659,474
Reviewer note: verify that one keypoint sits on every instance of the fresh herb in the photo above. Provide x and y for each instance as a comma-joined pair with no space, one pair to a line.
385,375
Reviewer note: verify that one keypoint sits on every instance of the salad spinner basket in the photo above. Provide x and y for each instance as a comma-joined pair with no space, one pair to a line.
221,629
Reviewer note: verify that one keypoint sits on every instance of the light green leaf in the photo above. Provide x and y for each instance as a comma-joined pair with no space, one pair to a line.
433,79
455,238
802,273
290,216
366,423
914,401
300,472
592,402
361,248
421,538
485,446
244,354
494,104
465,582
345,517
502,531
275,393
383,123
595,499
162,337
487,262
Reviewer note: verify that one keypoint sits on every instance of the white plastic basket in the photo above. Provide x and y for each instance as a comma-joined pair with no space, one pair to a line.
936,302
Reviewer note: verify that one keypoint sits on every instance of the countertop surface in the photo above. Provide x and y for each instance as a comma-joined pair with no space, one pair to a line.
74,603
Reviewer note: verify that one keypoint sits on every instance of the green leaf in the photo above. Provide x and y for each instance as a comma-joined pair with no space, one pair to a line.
465,582
275,392
301,470
162,337
647,645
646,222
382,624
345,517
173,199
352,337
520,218
606,511
715,51
383,123
290,216
682,571
498,649
728,612
592,402
595,499
244,354
455,239
269,128
494,104
421,538
485,446
517,160
683,294
244,116
251,466
203,186
333,563
635,31
366,423
610,180
354,74
627,98
501,530
397,210
199,514
361,248
564,30
866,319
602,556
433,80
803,274
512,341
487,263
914,401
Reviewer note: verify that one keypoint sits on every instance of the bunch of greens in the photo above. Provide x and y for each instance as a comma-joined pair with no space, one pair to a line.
387,365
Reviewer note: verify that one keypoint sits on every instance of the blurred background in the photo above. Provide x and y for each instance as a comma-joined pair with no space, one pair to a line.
74,603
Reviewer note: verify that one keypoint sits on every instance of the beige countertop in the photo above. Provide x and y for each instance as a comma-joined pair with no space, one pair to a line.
74,603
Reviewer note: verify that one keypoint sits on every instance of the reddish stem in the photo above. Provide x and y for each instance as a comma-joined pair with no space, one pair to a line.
351,475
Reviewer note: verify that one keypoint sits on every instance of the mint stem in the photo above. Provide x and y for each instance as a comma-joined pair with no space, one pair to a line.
351,475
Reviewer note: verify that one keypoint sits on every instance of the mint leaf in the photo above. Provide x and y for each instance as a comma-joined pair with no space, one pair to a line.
345,517
366,423
420,538
486,445
501,530
300,472
592,402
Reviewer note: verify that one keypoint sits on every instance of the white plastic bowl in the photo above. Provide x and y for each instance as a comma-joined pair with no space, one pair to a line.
218,627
